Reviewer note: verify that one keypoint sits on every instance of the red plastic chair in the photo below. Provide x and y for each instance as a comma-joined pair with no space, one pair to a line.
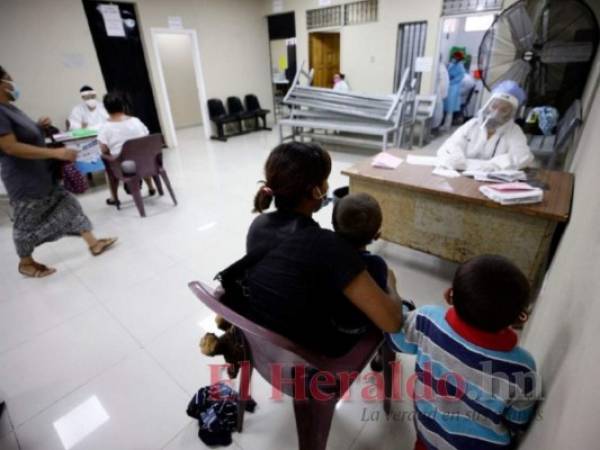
265,348
146,153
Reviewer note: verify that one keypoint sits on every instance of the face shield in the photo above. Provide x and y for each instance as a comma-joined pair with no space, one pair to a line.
498,111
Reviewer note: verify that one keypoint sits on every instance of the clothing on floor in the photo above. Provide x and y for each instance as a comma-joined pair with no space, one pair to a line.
216,409
37,221
297,289
115,134
482,385
25,178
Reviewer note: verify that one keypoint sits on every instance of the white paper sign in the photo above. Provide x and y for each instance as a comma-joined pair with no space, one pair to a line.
423,64
324,2
112,20
277,6
175,23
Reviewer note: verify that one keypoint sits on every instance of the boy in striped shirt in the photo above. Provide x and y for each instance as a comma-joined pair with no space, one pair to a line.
475,388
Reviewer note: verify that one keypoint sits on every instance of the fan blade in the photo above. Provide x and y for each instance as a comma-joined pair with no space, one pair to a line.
566,52
518,72
521,27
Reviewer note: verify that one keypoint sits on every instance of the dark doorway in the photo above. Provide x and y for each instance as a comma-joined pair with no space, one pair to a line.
122,60
282,45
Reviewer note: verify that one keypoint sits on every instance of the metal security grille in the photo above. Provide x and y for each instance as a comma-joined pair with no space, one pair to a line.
410,45
324,17
360,12
451,7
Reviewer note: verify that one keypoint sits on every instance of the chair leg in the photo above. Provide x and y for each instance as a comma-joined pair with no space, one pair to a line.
245,376
165,178
158,184
313,421
134,187
388,357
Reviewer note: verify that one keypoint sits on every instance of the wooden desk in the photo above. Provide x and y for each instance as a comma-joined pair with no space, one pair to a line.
450,218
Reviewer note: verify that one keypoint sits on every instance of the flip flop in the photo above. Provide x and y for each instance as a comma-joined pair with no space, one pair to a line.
36,270
102,245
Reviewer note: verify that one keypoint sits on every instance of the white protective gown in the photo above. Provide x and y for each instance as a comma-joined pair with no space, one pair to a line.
341,86
81,113
470,149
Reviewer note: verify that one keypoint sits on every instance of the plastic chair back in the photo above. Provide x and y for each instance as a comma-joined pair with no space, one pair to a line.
252,103
234,105
145,152
216,108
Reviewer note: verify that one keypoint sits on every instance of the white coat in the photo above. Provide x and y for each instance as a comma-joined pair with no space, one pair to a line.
470,149
442,83
94,118
341,86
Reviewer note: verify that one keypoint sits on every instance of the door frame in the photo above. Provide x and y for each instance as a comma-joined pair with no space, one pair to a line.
162,85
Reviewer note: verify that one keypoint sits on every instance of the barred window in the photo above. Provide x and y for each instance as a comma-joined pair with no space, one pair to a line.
360,12
451,7
324,17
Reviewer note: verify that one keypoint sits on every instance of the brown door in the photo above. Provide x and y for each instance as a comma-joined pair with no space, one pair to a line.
324,57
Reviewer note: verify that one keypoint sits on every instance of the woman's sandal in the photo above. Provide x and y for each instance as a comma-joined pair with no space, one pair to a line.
35,270
102,245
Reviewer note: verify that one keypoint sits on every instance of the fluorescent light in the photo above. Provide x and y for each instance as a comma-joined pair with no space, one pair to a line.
206,226
80,422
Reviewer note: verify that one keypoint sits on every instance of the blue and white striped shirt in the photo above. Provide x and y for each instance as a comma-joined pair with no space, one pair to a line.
474,389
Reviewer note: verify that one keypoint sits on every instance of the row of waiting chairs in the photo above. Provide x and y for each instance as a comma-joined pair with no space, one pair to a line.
237,114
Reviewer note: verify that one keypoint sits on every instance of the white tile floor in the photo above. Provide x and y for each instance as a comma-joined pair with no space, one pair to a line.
103,355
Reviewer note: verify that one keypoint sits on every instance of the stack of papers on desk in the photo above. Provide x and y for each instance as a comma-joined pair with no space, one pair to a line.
384,160
513,193
499,176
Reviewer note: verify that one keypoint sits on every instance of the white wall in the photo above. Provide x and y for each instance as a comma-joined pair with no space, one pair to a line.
47,48
36,36
563,333
178,69
367,52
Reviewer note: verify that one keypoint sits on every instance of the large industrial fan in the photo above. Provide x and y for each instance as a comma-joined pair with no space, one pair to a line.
547,46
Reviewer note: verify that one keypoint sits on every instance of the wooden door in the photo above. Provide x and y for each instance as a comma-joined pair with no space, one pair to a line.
324,57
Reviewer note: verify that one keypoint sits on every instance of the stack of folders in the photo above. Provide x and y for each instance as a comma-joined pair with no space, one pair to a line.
512,193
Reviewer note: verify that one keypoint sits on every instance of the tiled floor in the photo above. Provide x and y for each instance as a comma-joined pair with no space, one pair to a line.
103,355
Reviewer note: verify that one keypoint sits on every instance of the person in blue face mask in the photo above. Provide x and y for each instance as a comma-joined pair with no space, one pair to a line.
43,210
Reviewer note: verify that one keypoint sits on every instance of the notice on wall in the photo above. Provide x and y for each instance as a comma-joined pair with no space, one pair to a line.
423,64
113,21
324,2
175,23
277,6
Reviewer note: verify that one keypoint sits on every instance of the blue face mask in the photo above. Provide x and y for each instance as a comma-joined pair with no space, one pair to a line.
15,93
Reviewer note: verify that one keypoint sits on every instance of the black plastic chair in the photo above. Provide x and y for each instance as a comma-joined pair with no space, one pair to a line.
253,106
235,108
218,115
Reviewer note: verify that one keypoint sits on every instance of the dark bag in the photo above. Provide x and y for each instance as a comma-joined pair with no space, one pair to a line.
233,280
73,180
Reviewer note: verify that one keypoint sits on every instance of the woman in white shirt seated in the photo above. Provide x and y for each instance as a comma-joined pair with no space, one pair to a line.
117,130
88,114
492,140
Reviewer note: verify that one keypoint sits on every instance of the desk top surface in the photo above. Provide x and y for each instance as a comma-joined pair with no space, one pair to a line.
555,206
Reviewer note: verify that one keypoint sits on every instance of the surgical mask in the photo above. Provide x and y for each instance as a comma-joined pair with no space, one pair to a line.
91,103
324,200
15,93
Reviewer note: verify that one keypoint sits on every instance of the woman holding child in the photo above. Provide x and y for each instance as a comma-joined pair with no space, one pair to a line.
310,284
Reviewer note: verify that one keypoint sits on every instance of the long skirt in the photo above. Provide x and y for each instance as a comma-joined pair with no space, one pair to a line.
47,219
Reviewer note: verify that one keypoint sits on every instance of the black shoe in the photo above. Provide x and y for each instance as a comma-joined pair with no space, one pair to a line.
111,202
152,192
